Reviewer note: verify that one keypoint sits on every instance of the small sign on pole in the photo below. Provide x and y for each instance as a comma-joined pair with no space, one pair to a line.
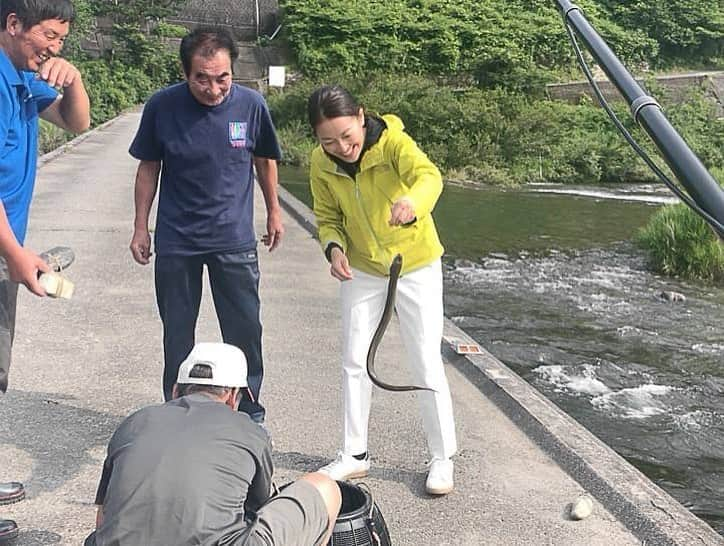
277,76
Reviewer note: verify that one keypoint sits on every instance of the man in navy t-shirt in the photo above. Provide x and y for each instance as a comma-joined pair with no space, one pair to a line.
205,136
31,37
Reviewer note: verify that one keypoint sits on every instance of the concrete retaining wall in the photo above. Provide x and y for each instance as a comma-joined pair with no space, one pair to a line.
671,89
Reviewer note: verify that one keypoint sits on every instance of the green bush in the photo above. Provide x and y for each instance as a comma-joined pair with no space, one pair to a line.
297,144
681,244
698,121
81,27
517,45
51,137
114,87
167,30
685,29
486,174
501,135
136,66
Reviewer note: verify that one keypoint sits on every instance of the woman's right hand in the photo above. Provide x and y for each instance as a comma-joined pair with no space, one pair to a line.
340,268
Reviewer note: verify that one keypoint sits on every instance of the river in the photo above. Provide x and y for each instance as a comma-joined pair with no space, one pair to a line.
546,278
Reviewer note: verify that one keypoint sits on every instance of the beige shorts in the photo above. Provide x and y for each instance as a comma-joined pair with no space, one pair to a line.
296,516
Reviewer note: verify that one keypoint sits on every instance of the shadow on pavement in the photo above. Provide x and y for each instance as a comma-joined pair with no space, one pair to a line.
56,435
36,538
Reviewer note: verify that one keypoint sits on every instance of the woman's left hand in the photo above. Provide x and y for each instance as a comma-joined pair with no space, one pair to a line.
403,212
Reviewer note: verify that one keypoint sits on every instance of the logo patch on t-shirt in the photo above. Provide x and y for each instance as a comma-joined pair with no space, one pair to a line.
237,133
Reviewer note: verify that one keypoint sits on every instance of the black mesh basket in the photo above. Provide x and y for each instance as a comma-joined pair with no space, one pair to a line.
360,522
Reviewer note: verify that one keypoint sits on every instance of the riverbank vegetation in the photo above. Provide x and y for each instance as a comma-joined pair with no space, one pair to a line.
681,244
468,79
495,136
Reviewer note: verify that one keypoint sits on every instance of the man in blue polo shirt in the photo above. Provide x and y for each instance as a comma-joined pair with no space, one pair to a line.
31,37
205,137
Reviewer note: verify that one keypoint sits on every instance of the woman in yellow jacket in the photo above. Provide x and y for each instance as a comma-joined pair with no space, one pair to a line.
374,191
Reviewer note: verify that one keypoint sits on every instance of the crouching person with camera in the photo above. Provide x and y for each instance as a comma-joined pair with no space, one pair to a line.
194,472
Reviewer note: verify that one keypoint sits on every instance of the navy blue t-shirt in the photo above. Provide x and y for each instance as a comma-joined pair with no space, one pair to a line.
206,194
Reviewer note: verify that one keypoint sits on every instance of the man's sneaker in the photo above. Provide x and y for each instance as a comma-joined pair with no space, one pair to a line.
345,467
440,477
8,530
11,492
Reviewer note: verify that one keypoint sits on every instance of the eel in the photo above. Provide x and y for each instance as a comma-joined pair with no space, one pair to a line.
389,308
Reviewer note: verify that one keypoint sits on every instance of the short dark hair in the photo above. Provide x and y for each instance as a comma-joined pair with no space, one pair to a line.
32,12
331,101
201,371
206,41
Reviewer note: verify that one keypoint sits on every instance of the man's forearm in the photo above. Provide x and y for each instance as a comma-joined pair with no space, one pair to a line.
144,195
145,192
268,176
8,241
75,107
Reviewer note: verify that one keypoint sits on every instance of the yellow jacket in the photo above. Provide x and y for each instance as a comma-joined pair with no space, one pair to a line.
355,214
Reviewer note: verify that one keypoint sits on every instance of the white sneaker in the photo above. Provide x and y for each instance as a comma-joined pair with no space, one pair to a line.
440,477
345,467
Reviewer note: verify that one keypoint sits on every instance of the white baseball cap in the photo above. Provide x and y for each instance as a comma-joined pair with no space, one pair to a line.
227,363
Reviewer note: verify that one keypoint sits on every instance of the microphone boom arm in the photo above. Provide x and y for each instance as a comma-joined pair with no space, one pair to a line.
646,111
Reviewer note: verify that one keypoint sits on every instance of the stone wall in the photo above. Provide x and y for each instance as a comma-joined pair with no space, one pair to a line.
247,20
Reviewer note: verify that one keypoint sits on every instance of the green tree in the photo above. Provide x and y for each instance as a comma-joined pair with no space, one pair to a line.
518,44
689,30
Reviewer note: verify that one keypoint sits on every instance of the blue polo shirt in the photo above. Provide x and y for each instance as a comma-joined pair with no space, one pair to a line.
22,98
205,199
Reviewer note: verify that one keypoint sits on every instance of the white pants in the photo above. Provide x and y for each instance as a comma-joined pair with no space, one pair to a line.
420,312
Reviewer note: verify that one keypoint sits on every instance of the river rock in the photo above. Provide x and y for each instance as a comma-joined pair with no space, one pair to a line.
670,295
581,508
462,263
498,256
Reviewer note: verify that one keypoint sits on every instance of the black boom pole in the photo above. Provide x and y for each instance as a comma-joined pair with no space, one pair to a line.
687,167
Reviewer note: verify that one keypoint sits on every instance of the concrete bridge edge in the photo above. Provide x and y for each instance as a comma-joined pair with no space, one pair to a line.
645,509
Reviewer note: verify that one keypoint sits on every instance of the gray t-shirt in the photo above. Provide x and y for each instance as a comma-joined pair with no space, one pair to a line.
182,473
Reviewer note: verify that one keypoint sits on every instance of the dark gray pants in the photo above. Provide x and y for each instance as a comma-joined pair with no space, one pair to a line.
8,304
234,279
